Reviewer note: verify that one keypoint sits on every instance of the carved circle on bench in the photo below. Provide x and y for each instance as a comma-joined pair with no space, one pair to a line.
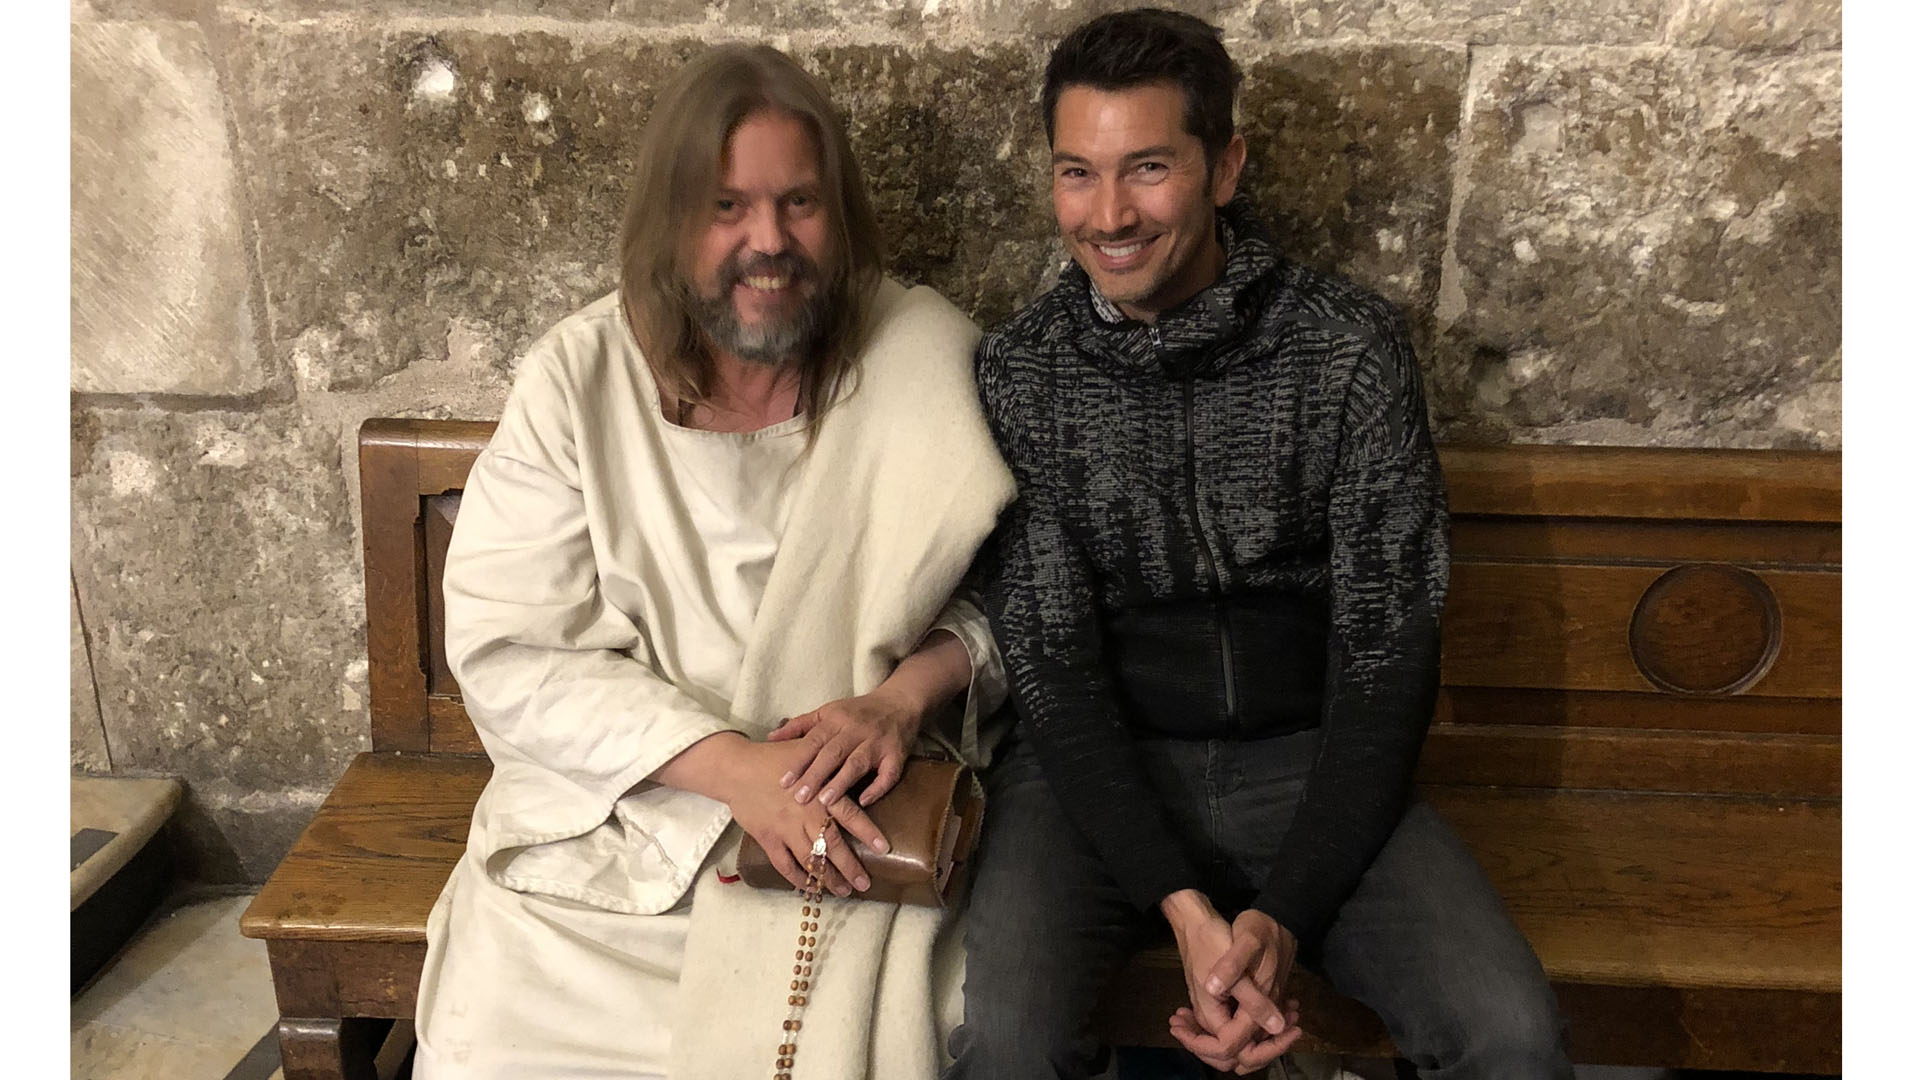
1705,628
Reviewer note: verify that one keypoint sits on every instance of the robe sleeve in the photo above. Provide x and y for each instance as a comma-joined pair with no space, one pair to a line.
551,673
987,685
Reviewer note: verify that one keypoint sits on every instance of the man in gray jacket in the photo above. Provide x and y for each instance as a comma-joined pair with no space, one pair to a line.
1218,595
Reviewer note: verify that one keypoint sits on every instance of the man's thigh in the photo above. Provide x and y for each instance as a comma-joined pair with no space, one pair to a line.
1426,942
1046,925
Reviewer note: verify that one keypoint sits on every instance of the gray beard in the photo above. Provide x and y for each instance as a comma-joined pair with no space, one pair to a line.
780,343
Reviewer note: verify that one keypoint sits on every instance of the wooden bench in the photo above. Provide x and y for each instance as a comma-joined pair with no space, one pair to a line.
1638,735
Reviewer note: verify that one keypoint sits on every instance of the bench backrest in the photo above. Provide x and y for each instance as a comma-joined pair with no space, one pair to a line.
1625,619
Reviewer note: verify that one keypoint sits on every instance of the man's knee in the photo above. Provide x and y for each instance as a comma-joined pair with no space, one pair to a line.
1027,1015
1514,1031
1015,1042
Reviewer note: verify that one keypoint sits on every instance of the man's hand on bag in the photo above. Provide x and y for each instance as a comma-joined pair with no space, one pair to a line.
786,829
847,739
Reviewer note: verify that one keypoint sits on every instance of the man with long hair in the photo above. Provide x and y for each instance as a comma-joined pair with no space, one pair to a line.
704,576
1219,596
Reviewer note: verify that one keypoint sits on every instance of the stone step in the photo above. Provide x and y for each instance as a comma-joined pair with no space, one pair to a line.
119,863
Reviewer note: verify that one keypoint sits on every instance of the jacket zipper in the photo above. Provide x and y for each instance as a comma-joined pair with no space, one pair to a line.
1206,555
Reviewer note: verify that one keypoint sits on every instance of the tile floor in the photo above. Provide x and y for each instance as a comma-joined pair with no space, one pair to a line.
188,999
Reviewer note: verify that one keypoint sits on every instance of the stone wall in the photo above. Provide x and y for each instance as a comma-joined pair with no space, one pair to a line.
1611,221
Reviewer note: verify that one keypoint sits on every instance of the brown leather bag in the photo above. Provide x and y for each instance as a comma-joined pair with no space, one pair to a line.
930,819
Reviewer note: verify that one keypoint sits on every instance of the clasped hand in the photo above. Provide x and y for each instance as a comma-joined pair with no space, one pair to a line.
1234,977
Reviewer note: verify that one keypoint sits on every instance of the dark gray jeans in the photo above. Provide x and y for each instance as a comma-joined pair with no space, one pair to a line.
1424,940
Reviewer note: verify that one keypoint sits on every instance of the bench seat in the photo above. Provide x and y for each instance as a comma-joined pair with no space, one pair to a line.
1659,955
1638,735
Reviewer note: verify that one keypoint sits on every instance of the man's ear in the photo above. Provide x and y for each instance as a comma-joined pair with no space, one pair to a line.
1226,170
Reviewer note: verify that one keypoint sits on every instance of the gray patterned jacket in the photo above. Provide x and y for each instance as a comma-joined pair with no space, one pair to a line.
1231,524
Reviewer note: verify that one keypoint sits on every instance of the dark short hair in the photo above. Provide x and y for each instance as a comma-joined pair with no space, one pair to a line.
1125,49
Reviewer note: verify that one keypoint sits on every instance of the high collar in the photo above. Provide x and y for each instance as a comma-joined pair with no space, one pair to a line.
1204,335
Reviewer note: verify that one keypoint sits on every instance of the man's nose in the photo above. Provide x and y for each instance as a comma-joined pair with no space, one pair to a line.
1113,211
767,231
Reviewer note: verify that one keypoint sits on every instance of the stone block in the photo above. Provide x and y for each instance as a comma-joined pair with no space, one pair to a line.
216,563
1468,22
954,155
407,183
1647,250
223,840
1759,24
649,12
161,294
778,17
140,9
1349,159
88,745
942,21
412,186
1049,21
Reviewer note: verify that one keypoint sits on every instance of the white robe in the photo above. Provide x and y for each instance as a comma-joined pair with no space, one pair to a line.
619,588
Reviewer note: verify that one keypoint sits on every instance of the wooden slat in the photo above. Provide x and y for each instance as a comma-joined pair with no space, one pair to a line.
1565,627
452,730
1663,542
1611,888
390,532
439,512
1702,1028
1652,483
1672,890
1786,766
346,978
1694,1028
375,857
1649,711
447,449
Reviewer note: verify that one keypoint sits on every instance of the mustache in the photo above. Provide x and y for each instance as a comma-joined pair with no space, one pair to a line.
791,264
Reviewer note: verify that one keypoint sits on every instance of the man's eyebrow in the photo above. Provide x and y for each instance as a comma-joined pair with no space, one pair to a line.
809,187
1164,150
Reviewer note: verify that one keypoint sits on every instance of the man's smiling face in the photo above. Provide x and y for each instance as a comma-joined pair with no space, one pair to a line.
1134,197
757,263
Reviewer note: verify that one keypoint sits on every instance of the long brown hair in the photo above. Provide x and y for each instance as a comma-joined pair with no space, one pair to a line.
680,156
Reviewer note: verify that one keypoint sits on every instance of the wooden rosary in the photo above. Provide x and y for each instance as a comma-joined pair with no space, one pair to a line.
803,955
